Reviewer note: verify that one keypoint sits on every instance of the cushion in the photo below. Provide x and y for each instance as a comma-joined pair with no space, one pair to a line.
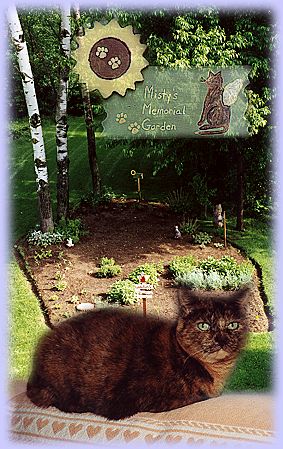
239,418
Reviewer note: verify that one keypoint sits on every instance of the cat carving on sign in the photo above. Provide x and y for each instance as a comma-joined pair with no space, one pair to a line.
216,113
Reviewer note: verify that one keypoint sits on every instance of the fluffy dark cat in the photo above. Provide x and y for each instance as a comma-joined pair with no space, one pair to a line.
116,364
215,112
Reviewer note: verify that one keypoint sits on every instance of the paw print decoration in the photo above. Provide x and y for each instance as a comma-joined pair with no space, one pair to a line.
109,58
101,52
121,118
134,128
114,63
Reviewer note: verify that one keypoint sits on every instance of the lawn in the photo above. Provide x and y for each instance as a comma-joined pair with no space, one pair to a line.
253,371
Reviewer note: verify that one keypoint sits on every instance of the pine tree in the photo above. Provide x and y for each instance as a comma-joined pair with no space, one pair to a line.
40,165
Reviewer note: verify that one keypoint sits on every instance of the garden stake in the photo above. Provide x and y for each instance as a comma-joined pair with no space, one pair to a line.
225,229
144,291
138,177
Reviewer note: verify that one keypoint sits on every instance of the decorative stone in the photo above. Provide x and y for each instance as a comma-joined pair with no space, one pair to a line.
83,306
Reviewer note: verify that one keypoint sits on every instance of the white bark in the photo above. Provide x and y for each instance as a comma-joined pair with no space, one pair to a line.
61,119
30,96
61,113
40,166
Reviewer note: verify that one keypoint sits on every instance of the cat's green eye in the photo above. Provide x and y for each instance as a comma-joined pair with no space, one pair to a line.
203,326
233,326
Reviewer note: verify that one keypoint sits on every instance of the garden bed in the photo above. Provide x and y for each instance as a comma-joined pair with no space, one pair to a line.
132,234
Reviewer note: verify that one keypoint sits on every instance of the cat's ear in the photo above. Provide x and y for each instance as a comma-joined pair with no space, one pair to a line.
187,299
241,297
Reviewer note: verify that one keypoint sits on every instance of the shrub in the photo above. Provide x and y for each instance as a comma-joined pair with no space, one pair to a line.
182,264
106,196
44,239
150,269
214,274
108,268
226,265
190,226
123,292
71,229
179,201
202,238
19,129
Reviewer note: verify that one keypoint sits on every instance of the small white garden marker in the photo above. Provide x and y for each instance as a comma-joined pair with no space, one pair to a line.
144,290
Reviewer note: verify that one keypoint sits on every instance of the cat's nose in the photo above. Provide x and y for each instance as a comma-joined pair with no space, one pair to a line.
222,340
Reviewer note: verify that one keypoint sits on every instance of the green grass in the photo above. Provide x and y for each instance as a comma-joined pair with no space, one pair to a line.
253,371
254,367
256,242
114,167
26,323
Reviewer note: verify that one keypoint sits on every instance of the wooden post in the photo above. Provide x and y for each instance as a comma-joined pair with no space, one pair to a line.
144,306
225,229
139,188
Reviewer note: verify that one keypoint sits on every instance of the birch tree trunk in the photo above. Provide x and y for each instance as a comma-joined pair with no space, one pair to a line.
88,116
40,165
61,119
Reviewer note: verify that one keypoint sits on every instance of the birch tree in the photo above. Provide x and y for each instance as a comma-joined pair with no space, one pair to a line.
88,116
40,165
61,119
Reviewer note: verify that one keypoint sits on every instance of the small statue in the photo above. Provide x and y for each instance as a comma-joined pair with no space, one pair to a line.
69,243
217,216
178,234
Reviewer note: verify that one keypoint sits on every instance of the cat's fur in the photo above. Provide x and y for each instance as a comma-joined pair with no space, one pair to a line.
215,112
116,364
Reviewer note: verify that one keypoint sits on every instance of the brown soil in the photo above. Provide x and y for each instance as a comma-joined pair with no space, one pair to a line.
132,234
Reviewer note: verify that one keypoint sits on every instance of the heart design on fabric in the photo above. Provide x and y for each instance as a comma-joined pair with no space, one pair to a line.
27,421
151,438
74,428
92,431
111,433
172,439
129,436
40,423
57,426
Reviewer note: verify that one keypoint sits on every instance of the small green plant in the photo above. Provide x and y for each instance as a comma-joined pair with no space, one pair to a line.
182,264
179,201
43,254
216,274
71,229
106,196
38,238
189,226
54,298
202,238
83,292
123,292
149,269
59,276
218,245
108,268
74,299
56,306
60,286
